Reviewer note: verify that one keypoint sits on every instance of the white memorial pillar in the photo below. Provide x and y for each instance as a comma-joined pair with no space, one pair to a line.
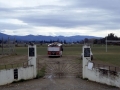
32,56
86,56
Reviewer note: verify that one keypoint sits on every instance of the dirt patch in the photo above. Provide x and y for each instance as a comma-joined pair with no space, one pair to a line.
12,59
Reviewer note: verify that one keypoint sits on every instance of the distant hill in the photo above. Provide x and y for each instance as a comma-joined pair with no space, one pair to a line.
46,38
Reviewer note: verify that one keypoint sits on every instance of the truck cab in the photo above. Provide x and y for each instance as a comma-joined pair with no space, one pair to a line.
55,49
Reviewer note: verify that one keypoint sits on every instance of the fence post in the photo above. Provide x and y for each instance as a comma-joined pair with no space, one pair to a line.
109,68
5,67
12,65
115,69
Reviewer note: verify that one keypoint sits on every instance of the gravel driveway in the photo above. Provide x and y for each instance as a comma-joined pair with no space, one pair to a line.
53,83
57,84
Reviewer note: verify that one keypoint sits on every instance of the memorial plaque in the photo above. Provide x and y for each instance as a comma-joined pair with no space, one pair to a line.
86,52
31,52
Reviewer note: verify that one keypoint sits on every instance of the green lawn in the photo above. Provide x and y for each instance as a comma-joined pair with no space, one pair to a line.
42,50
112,56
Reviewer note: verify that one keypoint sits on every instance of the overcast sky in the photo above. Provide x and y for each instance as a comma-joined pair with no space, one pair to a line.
60,17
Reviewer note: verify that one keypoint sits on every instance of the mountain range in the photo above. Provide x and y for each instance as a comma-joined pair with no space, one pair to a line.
47,38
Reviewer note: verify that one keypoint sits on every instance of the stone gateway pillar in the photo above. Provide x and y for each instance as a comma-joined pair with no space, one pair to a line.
86,58
32,56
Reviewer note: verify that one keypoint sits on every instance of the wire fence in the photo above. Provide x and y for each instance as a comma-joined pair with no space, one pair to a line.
105,69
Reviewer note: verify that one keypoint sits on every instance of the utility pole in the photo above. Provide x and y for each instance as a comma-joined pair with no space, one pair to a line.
9,46
14,45
106,43
2,45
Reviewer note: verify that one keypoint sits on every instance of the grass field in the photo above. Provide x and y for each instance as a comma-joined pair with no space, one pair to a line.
112,56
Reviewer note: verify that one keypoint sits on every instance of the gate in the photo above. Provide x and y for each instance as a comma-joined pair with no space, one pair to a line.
61,69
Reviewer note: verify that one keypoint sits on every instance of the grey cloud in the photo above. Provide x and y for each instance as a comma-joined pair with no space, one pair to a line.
69,19
104,15
98,4
5,10
12,26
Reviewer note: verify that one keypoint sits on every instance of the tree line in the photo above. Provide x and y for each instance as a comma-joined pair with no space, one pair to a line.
110,36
